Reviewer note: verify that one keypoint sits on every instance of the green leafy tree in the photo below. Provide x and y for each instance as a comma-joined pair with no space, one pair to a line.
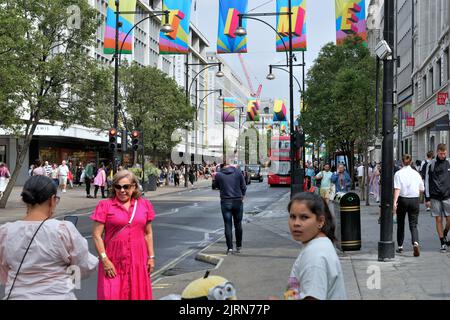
154,104
340,98
45,72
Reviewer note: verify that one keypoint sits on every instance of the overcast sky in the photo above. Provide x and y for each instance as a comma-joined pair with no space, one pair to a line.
320,29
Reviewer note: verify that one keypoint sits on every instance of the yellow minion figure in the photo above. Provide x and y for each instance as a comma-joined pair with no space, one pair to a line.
209,288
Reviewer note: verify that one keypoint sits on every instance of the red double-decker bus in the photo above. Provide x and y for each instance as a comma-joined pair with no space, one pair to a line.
280,162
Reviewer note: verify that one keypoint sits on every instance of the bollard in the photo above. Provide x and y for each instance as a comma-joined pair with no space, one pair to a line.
348,221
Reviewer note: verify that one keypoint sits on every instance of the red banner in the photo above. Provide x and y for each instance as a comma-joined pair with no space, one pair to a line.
441,98
410,122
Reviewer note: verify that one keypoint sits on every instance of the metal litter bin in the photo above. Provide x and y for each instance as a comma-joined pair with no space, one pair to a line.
347,212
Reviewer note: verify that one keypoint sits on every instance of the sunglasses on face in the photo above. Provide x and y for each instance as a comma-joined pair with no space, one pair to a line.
124,187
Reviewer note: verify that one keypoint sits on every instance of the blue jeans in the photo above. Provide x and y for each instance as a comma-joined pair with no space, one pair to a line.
232,212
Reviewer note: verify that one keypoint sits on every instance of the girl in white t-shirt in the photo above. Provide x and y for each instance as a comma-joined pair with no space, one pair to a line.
317,272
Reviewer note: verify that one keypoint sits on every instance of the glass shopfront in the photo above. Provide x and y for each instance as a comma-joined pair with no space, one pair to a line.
56,155
3,154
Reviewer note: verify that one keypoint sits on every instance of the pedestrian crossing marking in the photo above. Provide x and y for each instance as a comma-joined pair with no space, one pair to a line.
162,286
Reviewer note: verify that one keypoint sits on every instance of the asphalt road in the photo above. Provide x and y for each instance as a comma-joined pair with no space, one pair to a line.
185,223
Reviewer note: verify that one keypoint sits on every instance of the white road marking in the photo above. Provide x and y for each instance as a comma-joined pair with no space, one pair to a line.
169,225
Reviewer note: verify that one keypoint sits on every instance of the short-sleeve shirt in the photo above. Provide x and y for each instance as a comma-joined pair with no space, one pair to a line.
317,273
63,170
409,182
44,274
326,179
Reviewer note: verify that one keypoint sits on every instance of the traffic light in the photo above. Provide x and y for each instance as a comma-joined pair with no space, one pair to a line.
112,139
299,140
135,135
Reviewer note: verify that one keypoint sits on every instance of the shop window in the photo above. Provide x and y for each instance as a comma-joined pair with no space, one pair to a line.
3,154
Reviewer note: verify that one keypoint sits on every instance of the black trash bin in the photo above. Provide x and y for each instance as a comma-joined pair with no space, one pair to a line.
151,184
347,212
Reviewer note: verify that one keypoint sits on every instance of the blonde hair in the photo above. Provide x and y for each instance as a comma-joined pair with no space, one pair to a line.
133,180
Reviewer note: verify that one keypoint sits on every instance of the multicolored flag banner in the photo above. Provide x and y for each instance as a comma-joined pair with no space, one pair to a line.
229,105
350,19
227,42
127,21
252,109
298,25
279,110
177,41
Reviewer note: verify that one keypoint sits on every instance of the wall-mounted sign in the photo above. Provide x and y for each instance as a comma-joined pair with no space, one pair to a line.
441,98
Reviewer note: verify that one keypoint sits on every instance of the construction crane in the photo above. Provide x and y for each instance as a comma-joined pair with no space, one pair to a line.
254,94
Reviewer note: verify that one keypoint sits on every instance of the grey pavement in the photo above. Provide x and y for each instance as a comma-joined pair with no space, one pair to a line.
268,253
75,201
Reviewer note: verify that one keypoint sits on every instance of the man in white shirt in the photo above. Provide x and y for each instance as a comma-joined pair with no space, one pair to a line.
63,172
408,185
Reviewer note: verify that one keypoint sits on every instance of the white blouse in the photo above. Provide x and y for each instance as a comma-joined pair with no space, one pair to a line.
57,250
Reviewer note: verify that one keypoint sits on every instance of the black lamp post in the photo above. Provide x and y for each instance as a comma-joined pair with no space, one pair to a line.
240,31
117,55
188,88
386,245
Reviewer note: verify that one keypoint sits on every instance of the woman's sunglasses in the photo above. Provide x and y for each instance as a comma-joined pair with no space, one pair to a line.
124,187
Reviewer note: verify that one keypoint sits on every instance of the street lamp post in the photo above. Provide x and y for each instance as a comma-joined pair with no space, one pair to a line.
240,31
188,88
386,245
117,55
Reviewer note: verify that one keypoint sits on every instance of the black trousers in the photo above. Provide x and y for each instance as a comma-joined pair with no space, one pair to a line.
88,185
408,206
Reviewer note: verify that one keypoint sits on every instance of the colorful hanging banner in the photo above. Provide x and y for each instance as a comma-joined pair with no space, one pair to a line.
284,128
127,21
227,42
350,19
298,25
252,109
279,110
229,105
177,41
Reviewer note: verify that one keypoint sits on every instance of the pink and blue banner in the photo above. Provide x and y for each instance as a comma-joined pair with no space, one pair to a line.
229,107
253,106
127,21
177,41
350,19
298,25
279,110
227,41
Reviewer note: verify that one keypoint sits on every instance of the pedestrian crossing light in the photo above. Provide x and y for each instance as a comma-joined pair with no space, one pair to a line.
112,139
135,135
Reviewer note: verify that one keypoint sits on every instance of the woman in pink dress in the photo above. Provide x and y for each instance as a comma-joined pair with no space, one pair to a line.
126,251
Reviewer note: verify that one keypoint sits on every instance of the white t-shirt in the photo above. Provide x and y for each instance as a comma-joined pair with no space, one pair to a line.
409,182
63,170
317,273
361,171
44,273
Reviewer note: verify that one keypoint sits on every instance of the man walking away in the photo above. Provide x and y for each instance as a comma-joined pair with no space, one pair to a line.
88,176
423,168
63,173
437,192
408,185
231,184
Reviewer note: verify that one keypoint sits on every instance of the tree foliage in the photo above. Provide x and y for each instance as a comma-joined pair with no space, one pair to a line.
46,74
153,103
340,97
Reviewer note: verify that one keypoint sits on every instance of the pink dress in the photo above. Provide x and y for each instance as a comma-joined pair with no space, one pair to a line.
100,179
127,250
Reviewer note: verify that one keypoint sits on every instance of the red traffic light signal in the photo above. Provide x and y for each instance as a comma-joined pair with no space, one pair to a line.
135,140
112,138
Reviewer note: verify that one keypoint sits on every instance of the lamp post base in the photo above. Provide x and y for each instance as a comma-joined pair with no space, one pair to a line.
386,250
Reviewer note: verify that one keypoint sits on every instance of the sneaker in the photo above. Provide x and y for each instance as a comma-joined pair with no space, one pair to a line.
229,251
416,249
64,191
238,250
399,249
444,248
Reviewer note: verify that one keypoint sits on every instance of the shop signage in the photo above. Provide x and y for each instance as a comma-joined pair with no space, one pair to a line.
442,98
410,122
